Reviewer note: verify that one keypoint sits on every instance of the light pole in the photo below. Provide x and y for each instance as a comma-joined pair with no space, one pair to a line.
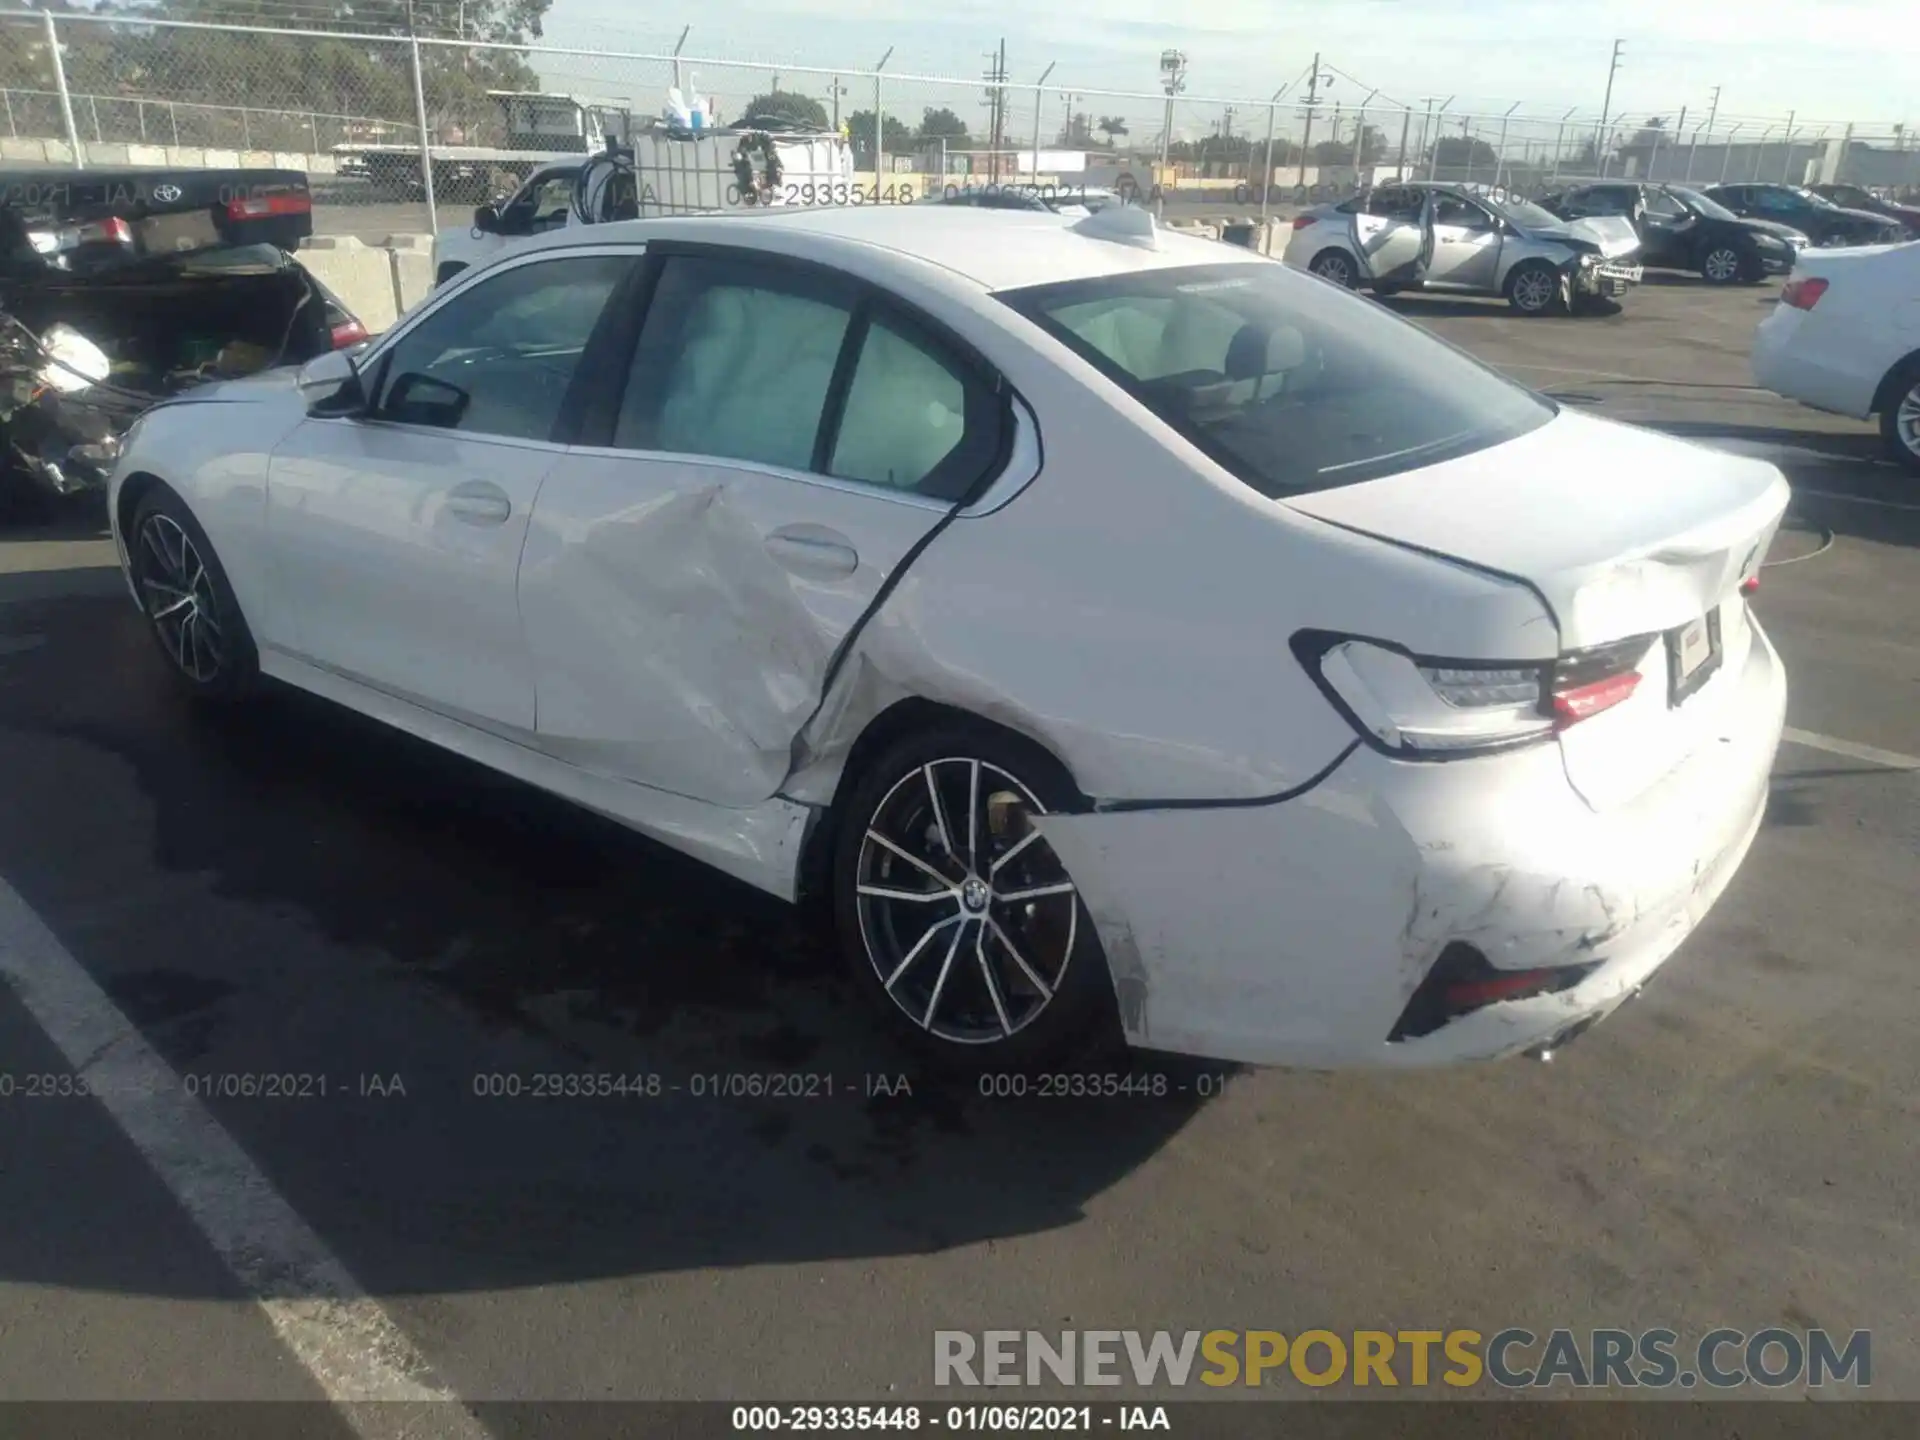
1313,99
1500,160
1266,176
1173,79
1037,97
1433,157
1360,137
1653,155
880,128
1760,152
1786,165
677,45
1560,144
1606,106
1712,110
1726,155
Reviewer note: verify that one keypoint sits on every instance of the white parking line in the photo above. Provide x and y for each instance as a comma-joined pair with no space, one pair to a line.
1872,754
345,1340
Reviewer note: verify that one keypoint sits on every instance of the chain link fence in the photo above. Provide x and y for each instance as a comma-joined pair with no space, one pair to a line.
393,127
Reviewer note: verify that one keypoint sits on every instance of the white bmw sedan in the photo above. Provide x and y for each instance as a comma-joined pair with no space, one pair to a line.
1126,633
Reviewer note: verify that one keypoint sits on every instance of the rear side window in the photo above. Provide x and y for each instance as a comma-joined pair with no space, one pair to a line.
1290,384
742,360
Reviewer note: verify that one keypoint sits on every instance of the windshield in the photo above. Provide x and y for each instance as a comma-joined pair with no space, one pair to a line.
1290,383
1700,204
1523,213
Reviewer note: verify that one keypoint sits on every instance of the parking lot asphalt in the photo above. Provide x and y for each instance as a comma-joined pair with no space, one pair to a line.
298,894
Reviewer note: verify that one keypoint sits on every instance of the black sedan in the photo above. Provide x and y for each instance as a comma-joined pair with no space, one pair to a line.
1853,197
1681,229
1824,222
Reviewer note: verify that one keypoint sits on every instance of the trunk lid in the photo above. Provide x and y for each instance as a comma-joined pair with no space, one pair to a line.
1624,533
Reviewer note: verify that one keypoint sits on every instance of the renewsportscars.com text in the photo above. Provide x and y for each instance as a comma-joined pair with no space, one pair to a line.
1513,1358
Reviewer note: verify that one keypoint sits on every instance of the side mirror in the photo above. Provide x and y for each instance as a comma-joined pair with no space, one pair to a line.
417,399
486,219
331,383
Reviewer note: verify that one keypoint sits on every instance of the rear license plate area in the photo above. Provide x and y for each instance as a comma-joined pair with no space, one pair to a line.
1693,655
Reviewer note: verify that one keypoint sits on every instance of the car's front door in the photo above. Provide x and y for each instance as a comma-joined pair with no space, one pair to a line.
782,442
1666,230
1387,233
395,533
1466,244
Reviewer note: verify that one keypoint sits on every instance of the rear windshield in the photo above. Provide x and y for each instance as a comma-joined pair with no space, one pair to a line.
1288,381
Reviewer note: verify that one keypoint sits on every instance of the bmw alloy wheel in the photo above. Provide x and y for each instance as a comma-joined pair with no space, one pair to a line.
966,914
177,592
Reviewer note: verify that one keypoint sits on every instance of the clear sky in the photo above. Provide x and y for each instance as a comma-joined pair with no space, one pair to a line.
1831,61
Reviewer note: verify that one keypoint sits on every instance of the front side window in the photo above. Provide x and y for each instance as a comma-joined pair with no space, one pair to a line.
1290,385
1664,206
743,361
1457,210
498,358
552,199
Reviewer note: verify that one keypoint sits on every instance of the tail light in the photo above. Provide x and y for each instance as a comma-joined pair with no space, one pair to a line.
1804,293
1301,222
1440,709
348,333
112,231
261,207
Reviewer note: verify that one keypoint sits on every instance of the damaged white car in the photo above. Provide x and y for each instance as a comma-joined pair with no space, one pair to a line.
1124,632
1462,240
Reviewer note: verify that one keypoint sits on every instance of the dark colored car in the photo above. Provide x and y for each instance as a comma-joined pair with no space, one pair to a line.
1057,199
1682,229
169,209
1822,221
1853,197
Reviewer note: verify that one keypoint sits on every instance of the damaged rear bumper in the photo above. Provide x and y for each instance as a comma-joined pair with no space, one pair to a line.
1296,933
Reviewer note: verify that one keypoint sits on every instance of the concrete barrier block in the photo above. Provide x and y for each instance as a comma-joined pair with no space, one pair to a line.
147,155
222,160
32,151
58,152
320,165
412,278
289,160
108,157
361,277
186,157
416,240
256,160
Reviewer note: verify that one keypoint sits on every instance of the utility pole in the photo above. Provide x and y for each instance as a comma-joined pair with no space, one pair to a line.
996,108
880,131
1713,109
1313,99
836,90
1606,108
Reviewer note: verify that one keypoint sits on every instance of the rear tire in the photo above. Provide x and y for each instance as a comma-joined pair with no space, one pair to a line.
190,606
1337,266
934,837
1722,265
1534,288
1900,416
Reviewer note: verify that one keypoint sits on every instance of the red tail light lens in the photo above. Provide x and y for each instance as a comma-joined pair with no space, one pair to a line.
1750,586
259,207
1804,294
1594,681
1301,222
348,332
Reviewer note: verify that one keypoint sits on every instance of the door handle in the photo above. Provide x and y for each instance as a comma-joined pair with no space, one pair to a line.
479,502
813,549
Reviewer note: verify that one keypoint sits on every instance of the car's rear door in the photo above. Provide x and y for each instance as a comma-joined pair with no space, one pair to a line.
395,534
782,441
1386,232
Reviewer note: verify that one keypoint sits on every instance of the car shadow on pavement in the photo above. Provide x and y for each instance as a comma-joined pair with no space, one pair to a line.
294,891
1491,307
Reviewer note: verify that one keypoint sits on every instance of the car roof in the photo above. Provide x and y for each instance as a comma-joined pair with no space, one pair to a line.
993,249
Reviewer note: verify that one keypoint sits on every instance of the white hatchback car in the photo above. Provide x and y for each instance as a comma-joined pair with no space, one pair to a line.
1845,337
1123,630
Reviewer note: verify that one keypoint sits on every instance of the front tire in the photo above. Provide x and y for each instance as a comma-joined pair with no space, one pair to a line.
1534,288
955,917
190,606
1900,417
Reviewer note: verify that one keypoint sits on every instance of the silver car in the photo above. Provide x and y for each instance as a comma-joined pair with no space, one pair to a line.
1451,238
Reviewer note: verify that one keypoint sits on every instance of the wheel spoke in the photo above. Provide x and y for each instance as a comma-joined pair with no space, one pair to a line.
180,645
918,946
150,539
178,605
1022,843
884,843
1064,887
939,811
973,816
946,969
883,892
1006,943
993,981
